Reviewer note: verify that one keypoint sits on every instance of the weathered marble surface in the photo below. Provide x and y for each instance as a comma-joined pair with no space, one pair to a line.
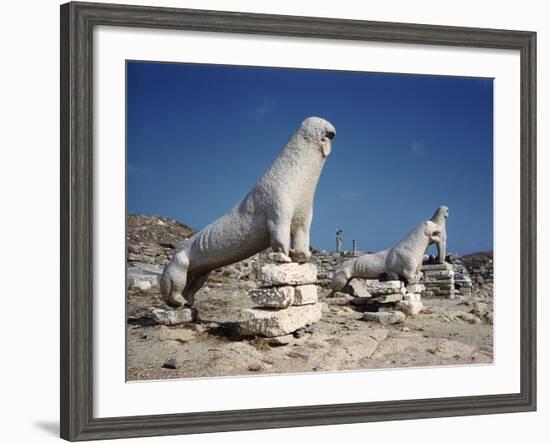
277,212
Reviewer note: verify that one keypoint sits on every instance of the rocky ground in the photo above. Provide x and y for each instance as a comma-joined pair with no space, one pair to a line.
446,332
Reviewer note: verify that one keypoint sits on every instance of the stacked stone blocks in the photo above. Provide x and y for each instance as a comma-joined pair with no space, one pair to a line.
439,280
379,298
286,302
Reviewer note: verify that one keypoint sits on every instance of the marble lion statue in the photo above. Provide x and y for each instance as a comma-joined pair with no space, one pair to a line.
404,259
440,217
277,212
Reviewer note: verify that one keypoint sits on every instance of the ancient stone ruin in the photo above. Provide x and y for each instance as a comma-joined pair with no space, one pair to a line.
439,280
286,302
383,301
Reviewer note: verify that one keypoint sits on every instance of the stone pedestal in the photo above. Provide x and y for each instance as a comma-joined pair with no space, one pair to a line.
286,302
439,280
374,296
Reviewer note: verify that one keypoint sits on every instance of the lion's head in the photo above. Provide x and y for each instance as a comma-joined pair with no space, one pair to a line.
441,213
318,132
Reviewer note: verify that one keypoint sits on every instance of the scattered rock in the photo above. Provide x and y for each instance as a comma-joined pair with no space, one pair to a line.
281,340
175,334
339,299
175,317
255,367
410,307
386,318
480,309
170,364
172,244
357,287
468,317
143,285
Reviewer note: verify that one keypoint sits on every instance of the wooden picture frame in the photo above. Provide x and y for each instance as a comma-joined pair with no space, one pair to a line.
77,23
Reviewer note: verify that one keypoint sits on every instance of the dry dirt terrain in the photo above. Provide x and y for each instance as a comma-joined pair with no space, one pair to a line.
446,332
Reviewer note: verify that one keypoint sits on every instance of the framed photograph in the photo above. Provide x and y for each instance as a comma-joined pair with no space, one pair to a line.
273,221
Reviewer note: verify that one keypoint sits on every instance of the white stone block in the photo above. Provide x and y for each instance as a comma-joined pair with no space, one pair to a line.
410,307
272,323
358,288
439,275
385,317
375,287
276,297
288,274
305,295
141,280
176,317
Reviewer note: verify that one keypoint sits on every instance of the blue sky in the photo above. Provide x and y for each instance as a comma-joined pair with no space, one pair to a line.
200,136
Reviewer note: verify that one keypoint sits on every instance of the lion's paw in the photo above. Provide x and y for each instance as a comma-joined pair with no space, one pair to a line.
279,257
300,256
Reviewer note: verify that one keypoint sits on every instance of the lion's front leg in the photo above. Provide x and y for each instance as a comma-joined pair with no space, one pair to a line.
278,226
442,249
300,242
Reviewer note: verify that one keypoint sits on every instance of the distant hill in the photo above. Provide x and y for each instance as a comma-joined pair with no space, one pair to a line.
481,256
155,229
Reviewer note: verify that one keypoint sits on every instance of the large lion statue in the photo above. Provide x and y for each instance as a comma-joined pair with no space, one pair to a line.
277,212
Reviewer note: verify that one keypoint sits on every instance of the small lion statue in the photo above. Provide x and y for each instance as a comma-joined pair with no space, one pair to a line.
277,212
404,259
